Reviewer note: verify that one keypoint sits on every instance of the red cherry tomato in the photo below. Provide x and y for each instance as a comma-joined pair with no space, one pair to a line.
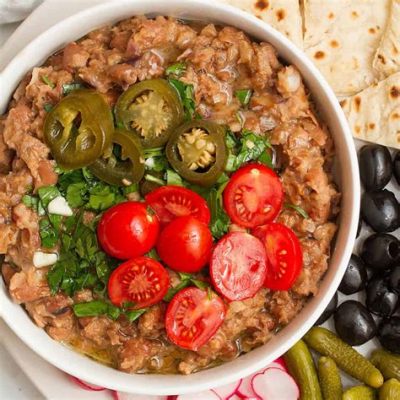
170,202
193,316
142,281
128,230
284,255
253,196
185,244
238,266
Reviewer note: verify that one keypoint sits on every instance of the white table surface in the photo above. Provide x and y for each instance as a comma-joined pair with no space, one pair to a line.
14,382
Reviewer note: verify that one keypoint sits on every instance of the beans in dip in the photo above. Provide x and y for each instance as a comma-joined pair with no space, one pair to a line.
167,202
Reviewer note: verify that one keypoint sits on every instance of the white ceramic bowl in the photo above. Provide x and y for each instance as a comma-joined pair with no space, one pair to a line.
347,178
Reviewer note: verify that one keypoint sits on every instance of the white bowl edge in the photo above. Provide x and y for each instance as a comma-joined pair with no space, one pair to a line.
74,363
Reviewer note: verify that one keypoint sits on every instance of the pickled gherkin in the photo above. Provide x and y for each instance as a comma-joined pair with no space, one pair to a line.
348,359
390,390
329,379
359,393
387,363
301,365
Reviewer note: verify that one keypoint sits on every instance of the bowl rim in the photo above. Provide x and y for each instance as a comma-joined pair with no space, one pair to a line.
74,363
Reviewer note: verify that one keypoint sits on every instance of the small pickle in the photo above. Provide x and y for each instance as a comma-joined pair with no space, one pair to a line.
390,390
301,365
387,363
150,109
348,359
329,379
124,172
78,129
197,151
360,393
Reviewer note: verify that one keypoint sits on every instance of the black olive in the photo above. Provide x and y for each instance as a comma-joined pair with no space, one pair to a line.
375,166
389,334
381,210
396,166
353,323
394,279
380,251
381,299
355,277
329,310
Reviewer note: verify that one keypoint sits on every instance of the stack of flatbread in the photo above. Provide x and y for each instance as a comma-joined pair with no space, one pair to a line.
356,45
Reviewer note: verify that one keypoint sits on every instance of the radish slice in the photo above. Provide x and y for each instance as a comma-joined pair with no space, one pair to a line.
281,362
129,396
246,389
275,384
114,394
86,385
207,395
225,392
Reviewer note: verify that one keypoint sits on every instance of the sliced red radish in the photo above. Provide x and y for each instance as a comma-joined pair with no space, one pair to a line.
129,396
245,389
225,392
281,362
206,395
86,385
275,384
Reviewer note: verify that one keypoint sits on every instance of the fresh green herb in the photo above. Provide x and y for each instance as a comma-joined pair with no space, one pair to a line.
299,209
55,220
48,234
173,178
30,201
47,81
153,254
266,159
134,187
47,194
209,293
77,194
174,290
250,148
48,107
244,96
101,198
186,94
200,284
95,308
67,88
220,221
156,164
176,69
134,314
153,152
152,178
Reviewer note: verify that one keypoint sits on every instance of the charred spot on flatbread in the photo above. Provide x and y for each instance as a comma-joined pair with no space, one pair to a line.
280,14
343,102
319,55
395,116
262,4
371,125
357,103
331,15
372,31
334,43
381,58
354,14
395,92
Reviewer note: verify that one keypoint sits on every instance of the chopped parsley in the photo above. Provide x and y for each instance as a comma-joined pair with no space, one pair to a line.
186,94
244,96
186,280
176,69
67,88
47,81
299,209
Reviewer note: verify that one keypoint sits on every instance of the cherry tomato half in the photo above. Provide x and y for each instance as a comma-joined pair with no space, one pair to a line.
193,316
284,255
170,202
185,244
128,230
238,266
142,281
253,196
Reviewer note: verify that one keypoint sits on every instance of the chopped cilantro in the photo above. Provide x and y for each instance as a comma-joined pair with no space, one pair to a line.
47,194
176,69
244,96
67,88
48,234
47,81
76,194
299,209
173,178
152,178
186,94
48,107
134,314
101,198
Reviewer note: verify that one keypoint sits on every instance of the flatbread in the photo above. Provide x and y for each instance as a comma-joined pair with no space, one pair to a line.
341,37
387,58
283,15
374,113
